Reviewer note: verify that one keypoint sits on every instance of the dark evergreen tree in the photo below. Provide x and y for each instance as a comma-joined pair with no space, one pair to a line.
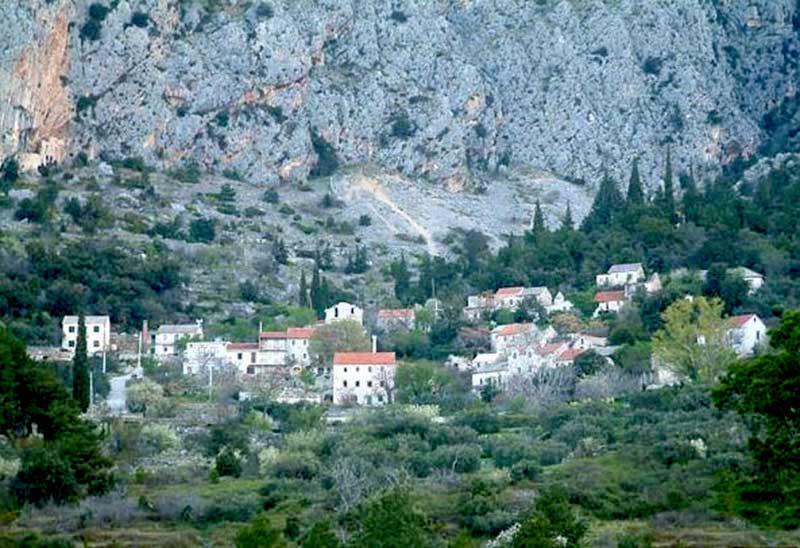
692,200
538,219
606,206
668,195
567,223
635,190
317,302
80,368
279,251
402,279
302,294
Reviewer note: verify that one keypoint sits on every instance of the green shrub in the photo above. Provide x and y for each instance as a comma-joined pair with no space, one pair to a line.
271,196
228,463
202,230
461,459
140,19
525,470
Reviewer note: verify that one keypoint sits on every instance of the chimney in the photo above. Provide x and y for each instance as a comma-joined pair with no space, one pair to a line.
374,344
145,334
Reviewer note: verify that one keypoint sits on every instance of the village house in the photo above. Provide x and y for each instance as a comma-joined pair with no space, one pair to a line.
746,334
199,356
484,359
587,341
753,279
394,319
651,285
567,357
609,301
509,298
621,274
244,356
98,334
490,375
291,347
164,342
519,335
344,312
363,378
559,304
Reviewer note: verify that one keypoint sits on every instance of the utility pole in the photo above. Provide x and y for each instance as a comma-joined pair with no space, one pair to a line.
139,357
91,386
104,362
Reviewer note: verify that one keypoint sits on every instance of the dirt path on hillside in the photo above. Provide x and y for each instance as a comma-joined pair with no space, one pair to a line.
372,187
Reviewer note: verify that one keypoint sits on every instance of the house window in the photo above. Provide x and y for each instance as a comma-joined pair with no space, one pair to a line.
336,312
358,369
758,335
96,344
358,383
251,370
344,383
380,398
166,350
369,383
352,310
252,357
369,369
383,384
71,329
96,329
345,370
71,344
239,356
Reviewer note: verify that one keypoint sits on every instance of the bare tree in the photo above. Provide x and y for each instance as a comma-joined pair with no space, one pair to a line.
545,388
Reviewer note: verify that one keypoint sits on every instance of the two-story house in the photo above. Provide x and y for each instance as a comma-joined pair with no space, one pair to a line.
164,342
344,312
98,334
363,378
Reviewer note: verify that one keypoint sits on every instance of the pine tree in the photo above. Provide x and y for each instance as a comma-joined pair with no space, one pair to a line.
402,279
538,219
316,292
669,191
302,294
279,251
80,368
361,262
606,206
635,191
692,200
567,223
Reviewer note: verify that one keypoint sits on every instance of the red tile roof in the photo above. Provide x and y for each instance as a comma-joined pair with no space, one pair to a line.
300,332
273,335
392,313
364,358
570,354
513,329
509,291
609,296
242,346
740,321
548,349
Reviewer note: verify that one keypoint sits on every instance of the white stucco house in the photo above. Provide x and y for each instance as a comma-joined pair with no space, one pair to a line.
363,378
559,304
609,301
344,312
393,319
165,339
492,375
621,274
98,334
280,348
201,355
519,335
753,279
746,334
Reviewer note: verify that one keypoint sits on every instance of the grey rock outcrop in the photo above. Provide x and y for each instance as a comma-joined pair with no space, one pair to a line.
446,90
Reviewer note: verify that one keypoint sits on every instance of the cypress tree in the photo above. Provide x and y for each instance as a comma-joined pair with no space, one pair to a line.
692,200
635,191
80,368
567,223
302,294
669,191
316,292
402,279
538,219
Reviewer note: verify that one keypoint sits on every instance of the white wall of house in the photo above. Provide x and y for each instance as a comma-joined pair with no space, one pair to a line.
199,356
746,339
495,377
363,384
618,279
344,311
98,333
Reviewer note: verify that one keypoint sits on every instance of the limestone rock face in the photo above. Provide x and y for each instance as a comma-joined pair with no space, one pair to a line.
446,90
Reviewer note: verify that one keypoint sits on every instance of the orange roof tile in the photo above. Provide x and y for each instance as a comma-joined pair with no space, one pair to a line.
739,321
273,335
364,358
609,296
300,332
548,349
242,346
513,329
571,353
509,291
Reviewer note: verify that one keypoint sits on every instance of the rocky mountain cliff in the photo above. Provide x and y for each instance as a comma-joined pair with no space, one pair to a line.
447,90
